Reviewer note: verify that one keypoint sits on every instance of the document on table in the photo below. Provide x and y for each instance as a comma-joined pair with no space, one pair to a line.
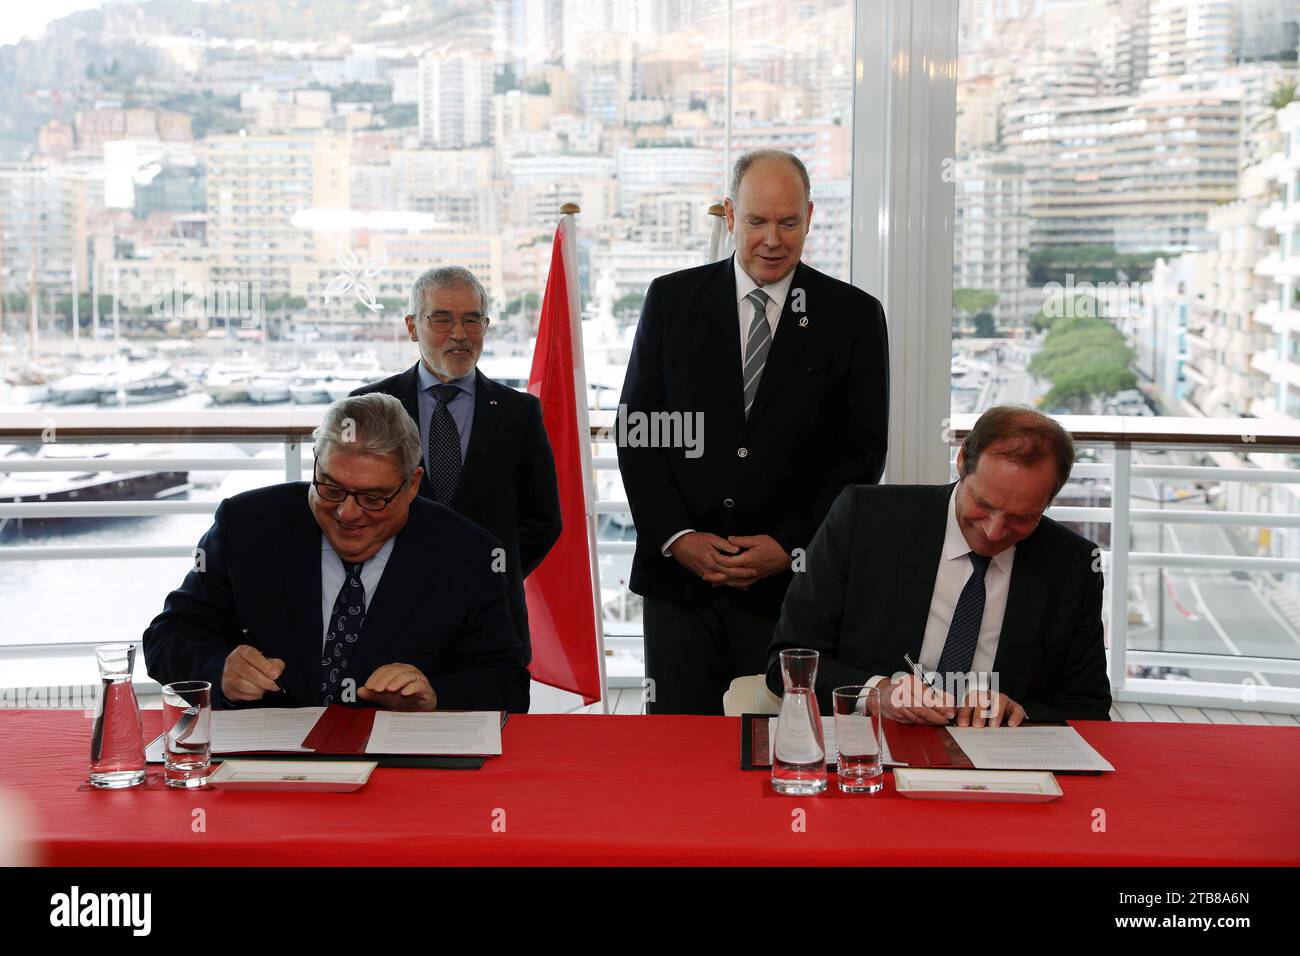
1027,748
828,736
474,733
263,728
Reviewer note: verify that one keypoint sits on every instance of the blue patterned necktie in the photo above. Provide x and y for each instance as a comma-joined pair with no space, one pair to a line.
346,619
964,632
757,344
443,455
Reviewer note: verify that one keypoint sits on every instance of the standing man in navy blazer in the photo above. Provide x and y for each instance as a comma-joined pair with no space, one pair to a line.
787,370
348,590
485,448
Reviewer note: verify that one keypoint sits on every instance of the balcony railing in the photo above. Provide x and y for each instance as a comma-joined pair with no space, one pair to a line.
1250,455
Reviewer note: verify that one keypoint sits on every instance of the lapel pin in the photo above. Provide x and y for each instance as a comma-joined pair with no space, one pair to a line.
803,323
492,401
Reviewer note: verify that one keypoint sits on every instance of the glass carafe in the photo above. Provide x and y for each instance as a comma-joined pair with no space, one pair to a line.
799,754
117,740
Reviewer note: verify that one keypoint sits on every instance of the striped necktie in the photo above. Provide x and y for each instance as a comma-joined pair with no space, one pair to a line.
964,631
757,344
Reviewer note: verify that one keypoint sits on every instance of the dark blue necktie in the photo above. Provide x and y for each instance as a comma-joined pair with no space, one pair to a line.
964,631
345,629
443,455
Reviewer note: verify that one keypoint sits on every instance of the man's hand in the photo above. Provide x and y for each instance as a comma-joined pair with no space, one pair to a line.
248,675
399,687
909,701
700,553
983,709
762,557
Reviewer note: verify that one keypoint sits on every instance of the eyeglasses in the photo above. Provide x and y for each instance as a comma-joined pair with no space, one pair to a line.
365,501
473,322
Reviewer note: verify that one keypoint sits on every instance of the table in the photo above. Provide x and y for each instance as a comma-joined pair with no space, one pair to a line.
579,789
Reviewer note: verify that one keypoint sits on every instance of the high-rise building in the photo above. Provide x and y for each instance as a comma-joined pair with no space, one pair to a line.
259,188
991,235
1191,36
1139,173
1279,360
1269,29
455,100
42,228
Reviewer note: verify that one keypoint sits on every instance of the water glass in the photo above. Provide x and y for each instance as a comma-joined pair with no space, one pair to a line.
187,733
859,739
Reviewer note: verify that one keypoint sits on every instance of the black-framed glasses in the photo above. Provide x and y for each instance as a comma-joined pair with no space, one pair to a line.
474,323
365,501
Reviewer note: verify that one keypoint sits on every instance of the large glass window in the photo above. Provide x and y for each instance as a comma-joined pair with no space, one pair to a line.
1132,156
224,207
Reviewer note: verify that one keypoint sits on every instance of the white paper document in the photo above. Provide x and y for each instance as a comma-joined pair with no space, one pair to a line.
263,728
1028,748
470,733
828,736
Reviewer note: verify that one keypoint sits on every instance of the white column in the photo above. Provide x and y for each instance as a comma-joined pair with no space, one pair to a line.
904,144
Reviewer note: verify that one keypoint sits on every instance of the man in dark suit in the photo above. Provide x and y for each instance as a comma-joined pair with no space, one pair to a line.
487,456
969,579
787,372
349,589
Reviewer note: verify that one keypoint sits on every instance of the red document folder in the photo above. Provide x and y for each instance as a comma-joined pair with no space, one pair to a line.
923,745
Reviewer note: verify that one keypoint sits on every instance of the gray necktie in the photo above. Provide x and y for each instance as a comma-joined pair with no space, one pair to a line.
757,344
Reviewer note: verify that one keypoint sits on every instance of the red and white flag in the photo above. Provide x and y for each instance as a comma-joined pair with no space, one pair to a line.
563,618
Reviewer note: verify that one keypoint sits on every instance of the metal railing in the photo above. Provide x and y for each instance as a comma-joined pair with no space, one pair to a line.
1252,444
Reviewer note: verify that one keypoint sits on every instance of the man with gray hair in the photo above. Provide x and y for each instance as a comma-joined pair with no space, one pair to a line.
789,369
349,589
485,450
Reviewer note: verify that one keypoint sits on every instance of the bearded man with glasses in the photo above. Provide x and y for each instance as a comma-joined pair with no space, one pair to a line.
485,451
350,589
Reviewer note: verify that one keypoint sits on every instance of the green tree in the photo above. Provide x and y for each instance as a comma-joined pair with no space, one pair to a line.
985,326
973,300
1083,358
1283,95
631,302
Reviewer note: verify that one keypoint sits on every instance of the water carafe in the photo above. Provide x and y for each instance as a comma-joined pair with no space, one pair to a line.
799,754
117,740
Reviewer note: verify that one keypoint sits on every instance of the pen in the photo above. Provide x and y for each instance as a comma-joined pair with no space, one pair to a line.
917,672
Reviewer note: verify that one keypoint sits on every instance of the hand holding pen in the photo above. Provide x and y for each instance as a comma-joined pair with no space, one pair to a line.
914,700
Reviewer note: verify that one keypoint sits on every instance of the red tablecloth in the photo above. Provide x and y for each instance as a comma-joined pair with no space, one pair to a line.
667,790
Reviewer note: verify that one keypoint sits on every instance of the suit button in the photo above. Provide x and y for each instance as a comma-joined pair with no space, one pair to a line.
742,452
729,502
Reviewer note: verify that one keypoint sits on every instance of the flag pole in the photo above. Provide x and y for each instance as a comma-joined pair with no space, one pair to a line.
570,250
718,215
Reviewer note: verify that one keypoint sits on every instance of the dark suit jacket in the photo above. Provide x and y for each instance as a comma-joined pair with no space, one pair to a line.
507,484
260,584
863,601
819,421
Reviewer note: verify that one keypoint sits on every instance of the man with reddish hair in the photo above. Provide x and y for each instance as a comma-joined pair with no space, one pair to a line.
969,579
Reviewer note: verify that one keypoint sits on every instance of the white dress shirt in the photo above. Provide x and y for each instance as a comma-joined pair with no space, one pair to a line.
776,295
331,578
954,569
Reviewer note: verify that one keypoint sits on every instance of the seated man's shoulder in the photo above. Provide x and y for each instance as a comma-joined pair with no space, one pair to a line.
1059,541
893,497
260,504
